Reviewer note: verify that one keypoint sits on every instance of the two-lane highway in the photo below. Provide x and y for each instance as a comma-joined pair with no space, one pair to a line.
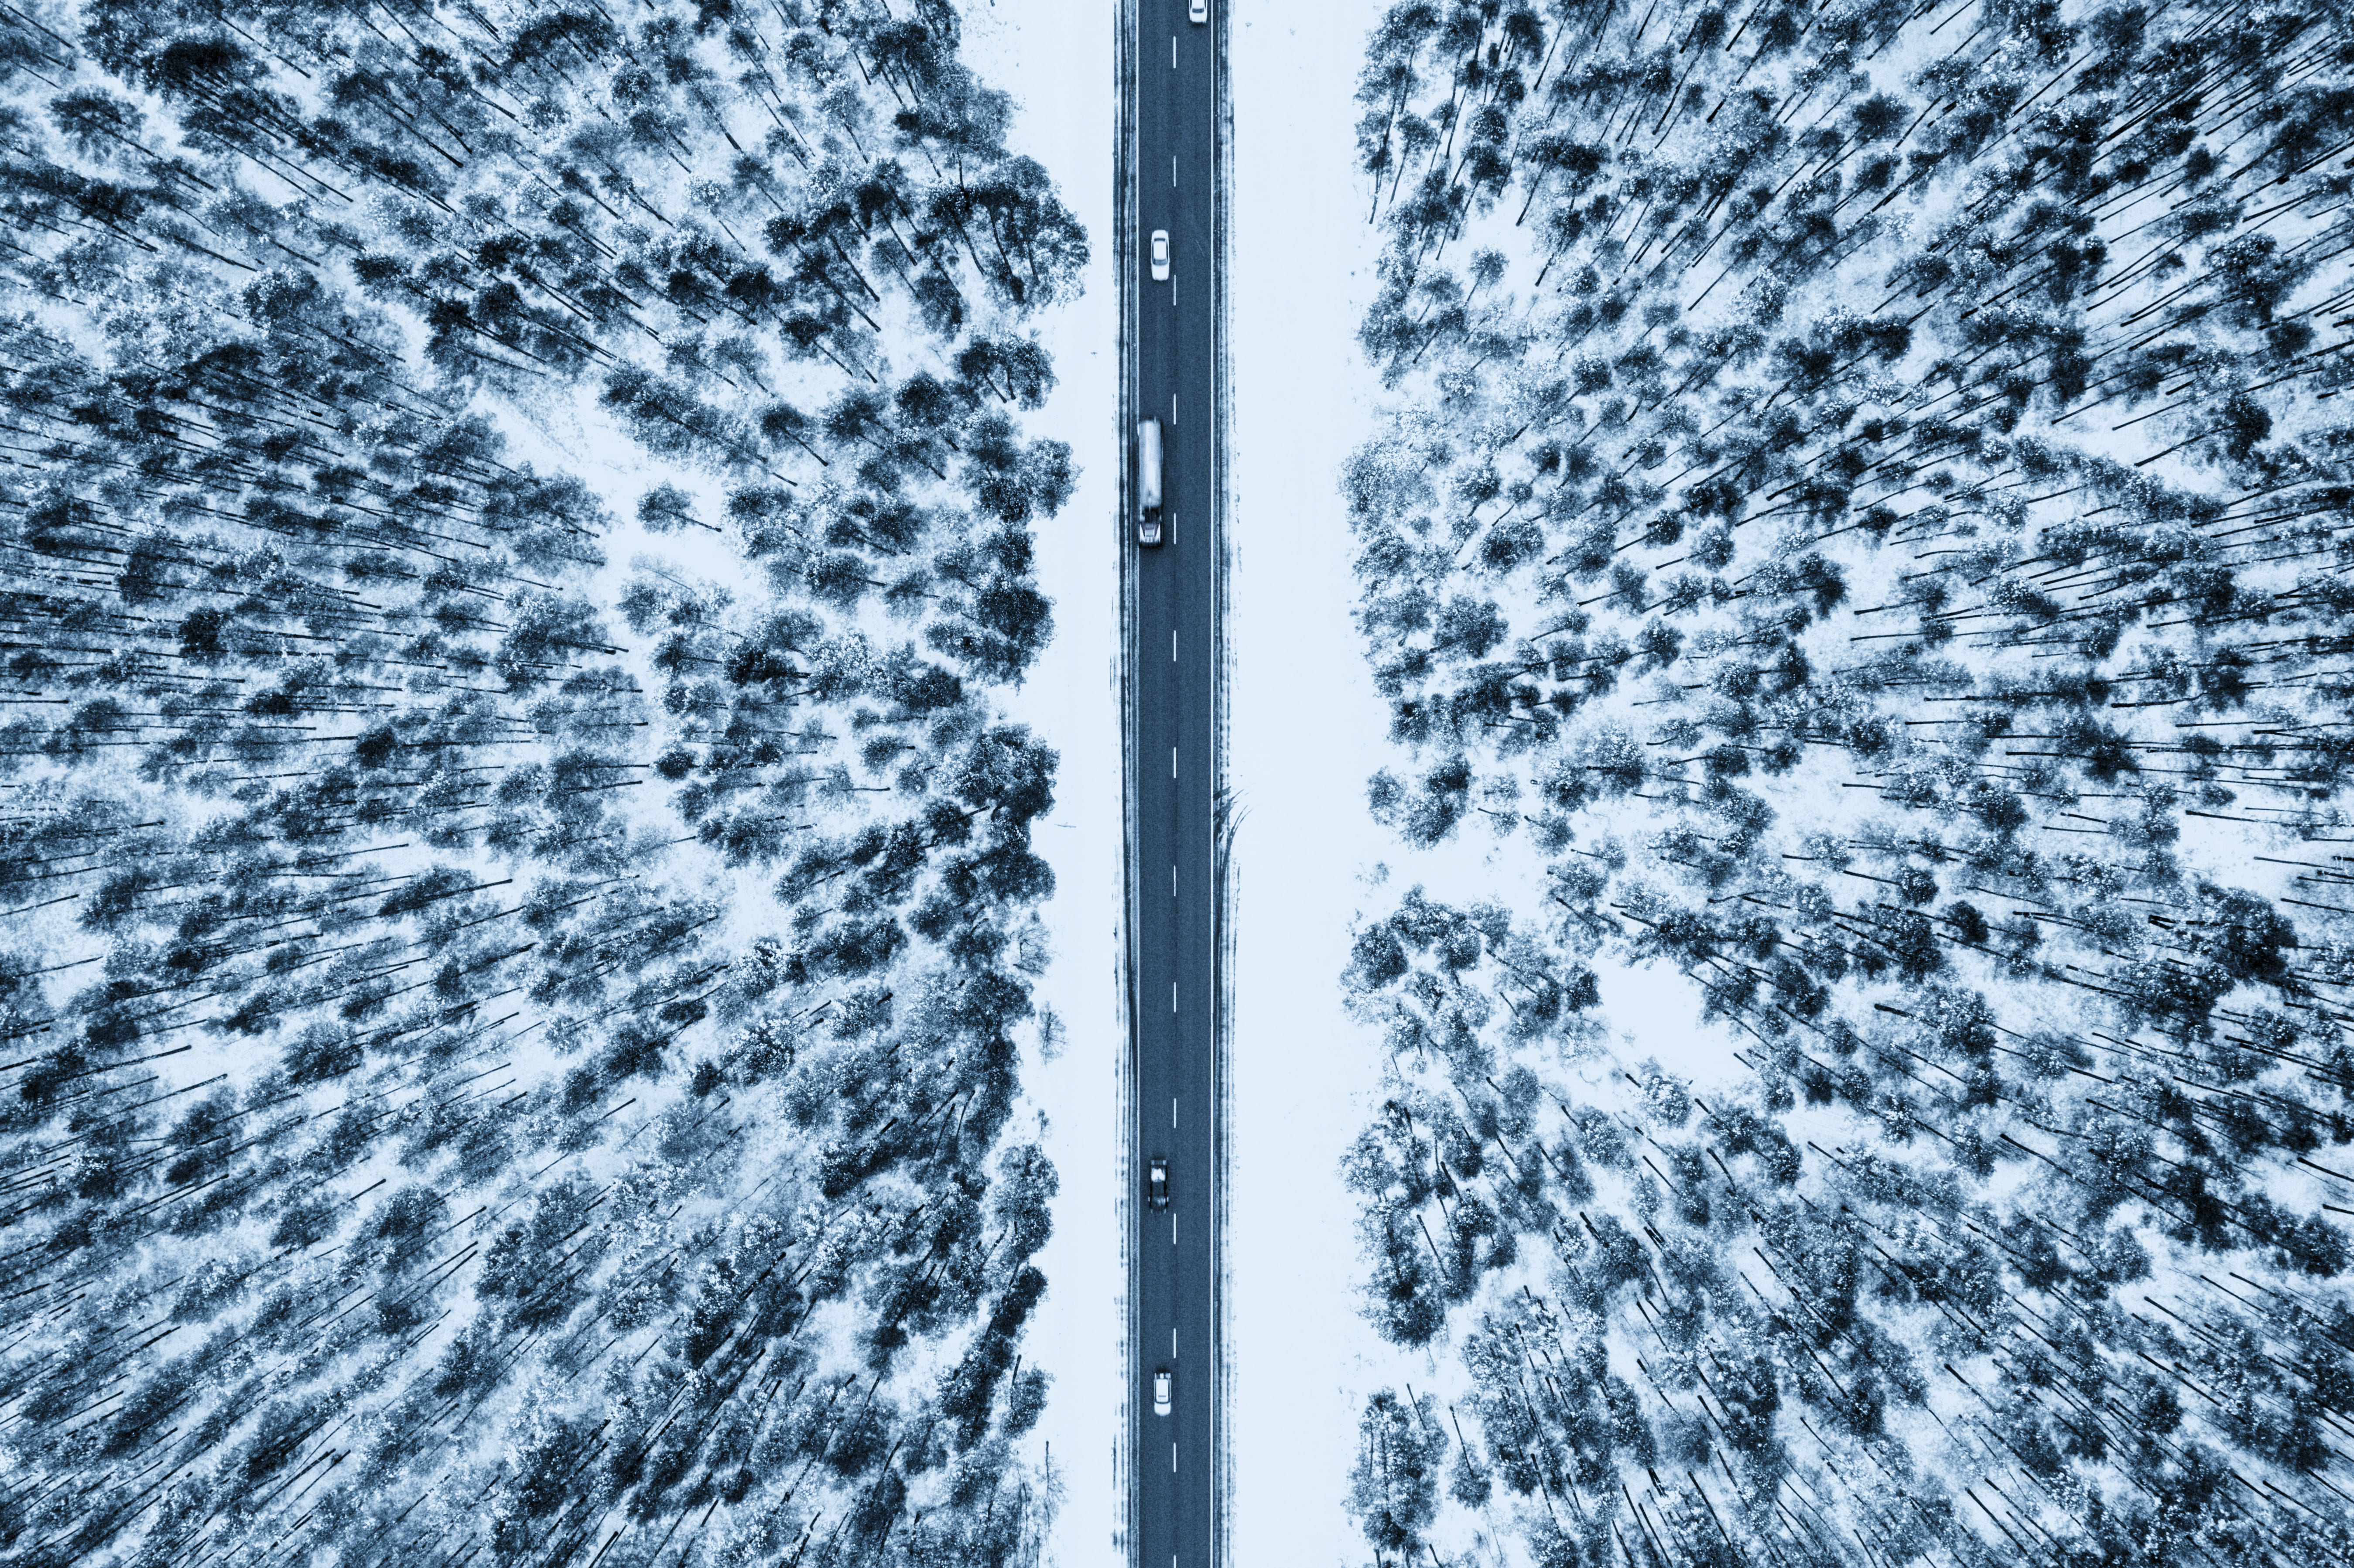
1172,664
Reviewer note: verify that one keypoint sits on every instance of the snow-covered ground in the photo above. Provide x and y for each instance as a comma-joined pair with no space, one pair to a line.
1308,729
1055,57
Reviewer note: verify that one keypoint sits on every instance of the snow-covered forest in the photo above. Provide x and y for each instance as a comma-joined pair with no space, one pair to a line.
1859,499
517,525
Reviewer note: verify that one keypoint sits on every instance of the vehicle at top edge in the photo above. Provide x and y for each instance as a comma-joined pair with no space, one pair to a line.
1199,11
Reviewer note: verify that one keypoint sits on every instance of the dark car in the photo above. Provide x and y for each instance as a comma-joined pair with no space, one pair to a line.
1156,1182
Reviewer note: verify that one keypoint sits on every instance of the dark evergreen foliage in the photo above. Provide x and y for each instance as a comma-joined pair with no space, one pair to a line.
423,1144
1864,503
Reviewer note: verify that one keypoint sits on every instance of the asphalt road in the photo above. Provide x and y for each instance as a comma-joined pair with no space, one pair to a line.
1173,768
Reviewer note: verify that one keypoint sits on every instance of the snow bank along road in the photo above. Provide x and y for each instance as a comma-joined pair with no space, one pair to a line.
1171,340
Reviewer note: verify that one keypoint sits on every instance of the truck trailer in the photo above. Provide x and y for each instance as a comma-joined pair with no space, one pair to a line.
1148,482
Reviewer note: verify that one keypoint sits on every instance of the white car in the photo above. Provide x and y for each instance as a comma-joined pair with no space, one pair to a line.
1160,255
1161,1392
1199,11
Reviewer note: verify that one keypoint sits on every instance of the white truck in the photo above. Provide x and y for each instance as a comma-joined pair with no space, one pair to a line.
1147,482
